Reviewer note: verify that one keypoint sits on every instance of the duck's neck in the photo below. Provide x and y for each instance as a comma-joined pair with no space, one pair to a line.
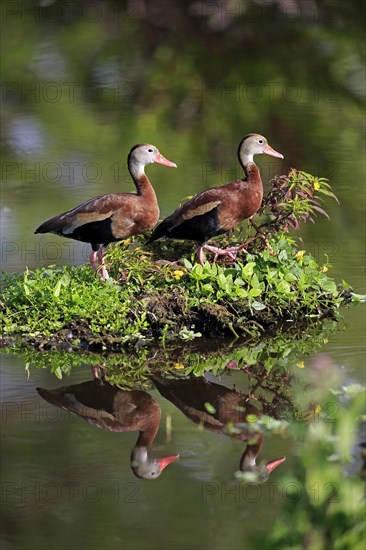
250,168
249,457
142,182
252,172
145,439
139,456
147,436
246,157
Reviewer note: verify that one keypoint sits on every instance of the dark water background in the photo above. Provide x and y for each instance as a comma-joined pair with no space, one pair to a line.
82,83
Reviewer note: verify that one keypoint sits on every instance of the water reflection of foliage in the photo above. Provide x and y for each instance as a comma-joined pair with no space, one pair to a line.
131,367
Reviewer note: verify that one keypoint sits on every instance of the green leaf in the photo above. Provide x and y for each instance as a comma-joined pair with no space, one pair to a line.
255,281
289,277
207,287
283,287
230,271
252,418
255,292
258,306
241,292
358,297
213,269
329,286
58,372
329,193
247,270
282,255
210,408
26,368
221,279
57,289
65,280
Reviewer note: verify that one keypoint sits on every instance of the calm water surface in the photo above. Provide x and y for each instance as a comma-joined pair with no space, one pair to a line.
68,484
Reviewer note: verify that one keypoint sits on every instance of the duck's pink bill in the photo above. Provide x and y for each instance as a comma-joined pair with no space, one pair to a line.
269,151
162,160
273,465
166,460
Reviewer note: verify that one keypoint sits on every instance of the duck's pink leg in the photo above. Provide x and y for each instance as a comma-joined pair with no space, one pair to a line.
103,270
200,255
97,372
93,261
231,251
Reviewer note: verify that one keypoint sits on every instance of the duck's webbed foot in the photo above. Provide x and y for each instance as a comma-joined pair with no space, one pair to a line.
231,252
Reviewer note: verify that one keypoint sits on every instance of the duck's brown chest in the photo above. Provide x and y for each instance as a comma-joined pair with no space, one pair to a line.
136,215
242,203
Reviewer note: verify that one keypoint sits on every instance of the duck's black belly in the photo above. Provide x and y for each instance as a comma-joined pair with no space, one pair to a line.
96,233
199,229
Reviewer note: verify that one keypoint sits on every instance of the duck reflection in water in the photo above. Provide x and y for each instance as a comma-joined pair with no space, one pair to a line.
221,410
110,408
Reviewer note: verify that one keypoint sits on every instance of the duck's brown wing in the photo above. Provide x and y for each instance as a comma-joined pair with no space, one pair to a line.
90,211
198,219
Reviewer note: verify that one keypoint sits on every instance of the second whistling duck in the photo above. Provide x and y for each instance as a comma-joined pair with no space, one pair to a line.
115,217
229,409
110,408
219,209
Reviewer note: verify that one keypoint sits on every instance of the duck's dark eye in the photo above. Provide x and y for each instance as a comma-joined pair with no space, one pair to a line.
260,141
150,150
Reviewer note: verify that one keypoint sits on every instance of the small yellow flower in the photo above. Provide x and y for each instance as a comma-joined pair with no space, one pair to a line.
324,269
301,364
325,341
316,185
177,274
317,409
178,366
300,254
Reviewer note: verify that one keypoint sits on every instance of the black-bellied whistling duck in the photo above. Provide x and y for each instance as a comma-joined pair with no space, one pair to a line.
107,407
219,209
115,217
217,408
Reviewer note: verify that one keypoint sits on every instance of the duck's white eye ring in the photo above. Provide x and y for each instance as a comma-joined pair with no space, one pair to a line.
150,150
260,141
